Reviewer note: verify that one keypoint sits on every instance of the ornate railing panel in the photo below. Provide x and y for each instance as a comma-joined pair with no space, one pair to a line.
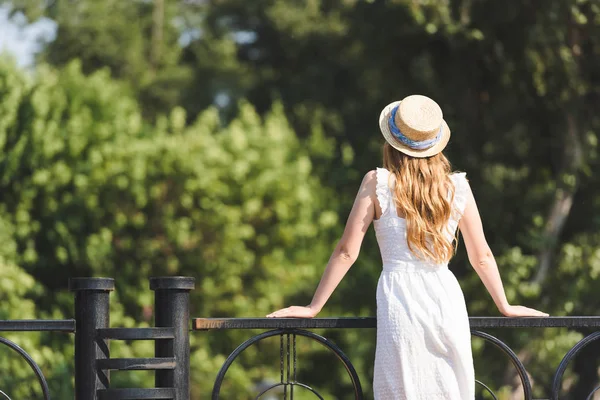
293,326
67,326
288,363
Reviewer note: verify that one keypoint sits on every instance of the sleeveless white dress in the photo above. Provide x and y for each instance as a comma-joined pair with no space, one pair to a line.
423,336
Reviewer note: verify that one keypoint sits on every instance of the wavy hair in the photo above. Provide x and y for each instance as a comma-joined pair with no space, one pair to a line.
424,194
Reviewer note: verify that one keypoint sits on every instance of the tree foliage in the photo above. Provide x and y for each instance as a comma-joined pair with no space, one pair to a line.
93,185
519,89
93,191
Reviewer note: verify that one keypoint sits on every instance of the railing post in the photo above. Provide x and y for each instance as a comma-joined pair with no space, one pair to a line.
91,314
172,309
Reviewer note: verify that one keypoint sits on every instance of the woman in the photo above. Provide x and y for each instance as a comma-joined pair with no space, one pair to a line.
417,205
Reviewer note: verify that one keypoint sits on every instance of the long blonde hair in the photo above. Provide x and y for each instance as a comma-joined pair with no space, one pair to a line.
424,193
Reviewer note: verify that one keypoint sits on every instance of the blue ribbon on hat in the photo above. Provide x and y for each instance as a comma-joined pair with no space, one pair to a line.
413,144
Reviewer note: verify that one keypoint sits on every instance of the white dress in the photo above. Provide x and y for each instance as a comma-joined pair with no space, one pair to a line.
423,336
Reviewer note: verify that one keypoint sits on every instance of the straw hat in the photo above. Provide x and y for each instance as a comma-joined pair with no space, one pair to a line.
415,126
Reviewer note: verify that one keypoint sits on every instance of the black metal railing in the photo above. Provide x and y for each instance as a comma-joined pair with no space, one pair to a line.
171,337
64,326
171,361
292,327
93,335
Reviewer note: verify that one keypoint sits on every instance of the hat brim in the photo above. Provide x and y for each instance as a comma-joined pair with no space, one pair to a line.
384,117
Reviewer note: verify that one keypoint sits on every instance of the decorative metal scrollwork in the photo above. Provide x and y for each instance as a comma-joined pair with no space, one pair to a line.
32,364
591,395
513,358
485,387
288,363
562,367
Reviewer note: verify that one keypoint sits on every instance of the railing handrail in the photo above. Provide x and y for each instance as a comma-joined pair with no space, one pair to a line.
38,325
371,322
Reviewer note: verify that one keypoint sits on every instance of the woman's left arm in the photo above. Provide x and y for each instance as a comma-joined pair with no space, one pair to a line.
345,253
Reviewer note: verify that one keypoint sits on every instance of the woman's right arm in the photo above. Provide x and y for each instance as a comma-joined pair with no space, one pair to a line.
482,260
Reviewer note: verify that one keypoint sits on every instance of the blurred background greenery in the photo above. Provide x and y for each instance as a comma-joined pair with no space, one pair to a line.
225,140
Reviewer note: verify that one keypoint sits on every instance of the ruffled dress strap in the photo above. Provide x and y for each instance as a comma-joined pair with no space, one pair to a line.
384,195
461,190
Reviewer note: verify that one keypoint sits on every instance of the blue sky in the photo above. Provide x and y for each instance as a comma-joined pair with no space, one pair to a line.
21,40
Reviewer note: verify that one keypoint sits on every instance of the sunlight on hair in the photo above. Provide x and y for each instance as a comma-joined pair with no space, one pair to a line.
423,195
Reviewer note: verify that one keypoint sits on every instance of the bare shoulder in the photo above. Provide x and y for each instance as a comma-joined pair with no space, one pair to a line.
370,176
369,181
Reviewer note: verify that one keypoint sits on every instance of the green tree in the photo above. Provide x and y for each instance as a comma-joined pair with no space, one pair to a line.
92,191
519,88
19,293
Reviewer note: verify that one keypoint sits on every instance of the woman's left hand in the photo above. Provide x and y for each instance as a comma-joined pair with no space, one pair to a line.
294,312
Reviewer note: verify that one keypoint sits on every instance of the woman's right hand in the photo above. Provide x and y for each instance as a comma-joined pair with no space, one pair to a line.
294,312
521,311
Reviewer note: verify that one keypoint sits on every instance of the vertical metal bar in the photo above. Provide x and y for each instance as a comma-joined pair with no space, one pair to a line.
92,297
295,358
282,366
172,309
288,367
281,370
